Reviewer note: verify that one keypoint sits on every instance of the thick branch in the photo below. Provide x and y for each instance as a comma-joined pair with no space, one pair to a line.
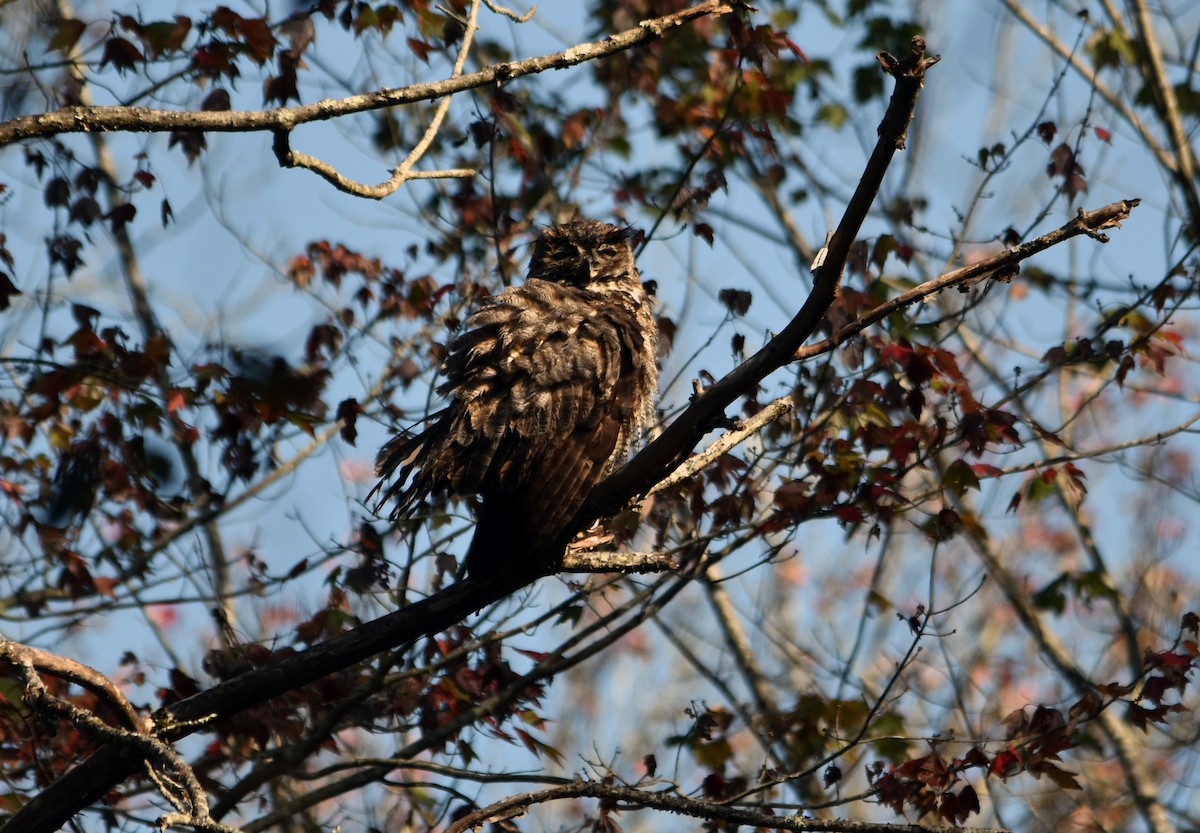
617,561
148,120
87,783
75,672
175,780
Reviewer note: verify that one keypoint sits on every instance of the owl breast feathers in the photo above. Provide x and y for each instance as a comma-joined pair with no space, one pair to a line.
548,386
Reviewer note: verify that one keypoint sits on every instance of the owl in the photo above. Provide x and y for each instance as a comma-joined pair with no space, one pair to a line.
548,385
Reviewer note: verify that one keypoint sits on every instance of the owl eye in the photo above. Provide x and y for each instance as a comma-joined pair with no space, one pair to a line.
608,251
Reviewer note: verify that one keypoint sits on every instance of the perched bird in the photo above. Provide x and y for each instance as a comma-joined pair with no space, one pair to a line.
549,384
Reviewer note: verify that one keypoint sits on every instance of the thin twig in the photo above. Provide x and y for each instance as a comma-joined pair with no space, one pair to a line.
509,13
1088,73
726,443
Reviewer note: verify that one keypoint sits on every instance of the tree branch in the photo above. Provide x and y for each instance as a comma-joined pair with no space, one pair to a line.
171,775
73,671
1003,266
616,561
87,783
632,797
402,173
148,120
1167,103
725,443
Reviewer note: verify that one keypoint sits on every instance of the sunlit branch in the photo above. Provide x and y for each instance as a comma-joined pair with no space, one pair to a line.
726,443
509,13
613,561
1003,266
149,120
1168,106
633,797
404,172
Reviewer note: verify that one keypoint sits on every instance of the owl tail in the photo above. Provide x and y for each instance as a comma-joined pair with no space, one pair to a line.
411,463
509,539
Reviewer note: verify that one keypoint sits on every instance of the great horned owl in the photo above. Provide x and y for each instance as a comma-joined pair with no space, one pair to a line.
549,384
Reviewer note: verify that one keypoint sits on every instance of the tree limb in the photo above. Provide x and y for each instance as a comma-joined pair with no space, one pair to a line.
73,671
87,783
616,561
171,775
1167,103
632,797
404,172
114,118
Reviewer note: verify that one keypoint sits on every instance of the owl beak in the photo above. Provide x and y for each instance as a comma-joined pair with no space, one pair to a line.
583,272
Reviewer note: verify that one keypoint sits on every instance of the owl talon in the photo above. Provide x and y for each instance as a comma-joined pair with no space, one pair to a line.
723,422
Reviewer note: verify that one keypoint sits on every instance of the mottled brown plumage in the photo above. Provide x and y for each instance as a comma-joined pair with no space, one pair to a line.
549,384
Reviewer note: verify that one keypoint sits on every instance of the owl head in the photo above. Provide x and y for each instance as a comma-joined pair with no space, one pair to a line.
583,253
